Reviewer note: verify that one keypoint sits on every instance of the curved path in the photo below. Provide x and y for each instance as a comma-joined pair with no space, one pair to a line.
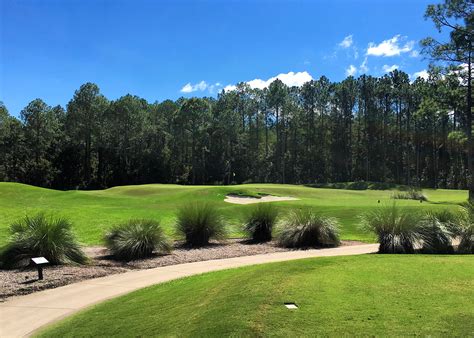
23,315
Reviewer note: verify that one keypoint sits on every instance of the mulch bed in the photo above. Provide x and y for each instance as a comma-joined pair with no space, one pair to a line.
24,281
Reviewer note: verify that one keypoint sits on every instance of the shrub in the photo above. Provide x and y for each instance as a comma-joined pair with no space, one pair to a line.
466,243
260,221
398,231
465,229
199,222
303,228
411,194
438,231
358,185
381,186
138,238
35,236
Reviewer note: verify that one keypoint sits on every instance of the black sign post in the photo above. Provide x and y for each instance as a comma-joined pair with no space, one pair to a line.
39,262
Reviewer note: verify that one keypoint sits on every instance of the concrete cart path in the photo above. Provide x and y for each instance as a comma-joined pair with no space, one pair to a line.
21,316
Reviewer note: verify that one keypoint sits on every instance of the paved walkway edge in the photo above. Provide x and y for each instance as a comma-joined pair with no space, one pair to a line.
23,315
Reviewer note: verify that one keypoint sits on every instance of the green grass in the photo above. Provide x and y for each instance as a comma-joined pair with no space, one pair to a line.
370,295
92,212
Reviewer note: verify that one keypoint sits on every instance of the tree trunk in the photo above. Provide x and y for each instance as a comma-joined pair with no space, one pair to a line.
470,151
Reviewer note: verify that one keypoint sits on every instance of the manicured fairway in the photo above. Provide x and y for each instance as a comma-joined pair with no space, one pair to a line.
370,295
94,211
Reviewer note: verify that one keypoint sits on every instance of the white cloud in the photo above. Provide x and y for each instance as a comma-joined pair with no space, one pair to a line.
388,69
414,53
356,53
189,88
229,88
422,74
201,86
363,67
390,47
347,42
290,79
351,70
461,72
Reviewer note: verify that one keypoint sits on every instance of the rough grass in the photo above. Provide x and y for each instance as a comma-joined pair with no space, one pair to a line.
260,221
38,235
199,222
304,228
137,238
398,230
93,212
370,295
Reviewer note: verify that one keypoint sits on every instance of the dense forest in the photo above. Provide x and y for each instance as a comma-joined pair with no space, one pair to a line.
385,129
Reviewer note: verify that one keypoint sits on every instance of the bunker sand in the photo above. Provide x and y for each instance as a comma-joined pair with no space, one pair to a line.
252,200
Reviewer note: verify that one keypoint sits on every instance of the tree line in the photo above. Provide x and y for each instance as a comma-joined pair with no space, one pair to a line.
384,129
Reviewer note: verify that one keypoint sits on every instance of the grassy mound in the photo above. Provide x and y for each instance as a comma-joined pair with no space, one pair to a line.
369,295
93,212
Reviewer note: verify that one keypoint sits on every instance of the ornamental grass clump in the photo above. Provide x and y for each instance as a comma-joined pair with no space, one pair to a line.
200,222
438,230
304,228
398,230
411,194
137,238
260,221
465,229
40,236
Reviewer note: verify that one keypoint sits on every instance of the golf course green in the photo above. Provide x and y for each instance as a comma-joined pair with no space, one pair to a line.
368,295
92,212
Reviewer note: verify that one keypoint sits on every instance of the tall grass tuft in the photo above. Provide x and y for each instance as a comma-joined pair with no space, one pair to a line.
304,228
199,222
438,230
466,229
35,236
411,194
138,238
398,231
260,221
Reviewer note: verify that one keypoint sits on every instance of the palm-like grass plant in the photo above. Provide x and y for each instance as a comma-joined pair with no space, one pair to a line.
138,238
200,222
398,230
304,228
260,221
466,229
438,230
35,236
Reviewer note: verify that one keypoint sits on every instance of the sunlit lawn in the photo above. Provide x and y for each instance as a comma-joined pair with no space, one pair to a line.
94,211
370,295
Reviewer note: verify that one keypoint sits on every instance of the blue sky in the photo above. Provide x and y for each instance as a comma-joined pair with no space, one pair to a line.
160,49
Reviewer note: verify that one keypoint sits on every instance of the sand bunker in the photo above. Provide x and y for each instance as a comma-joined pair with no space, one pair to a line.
251,200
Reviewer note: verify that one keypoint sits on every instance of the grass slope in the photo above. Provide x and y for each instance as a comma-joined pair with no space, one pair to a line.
94,211
371,295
